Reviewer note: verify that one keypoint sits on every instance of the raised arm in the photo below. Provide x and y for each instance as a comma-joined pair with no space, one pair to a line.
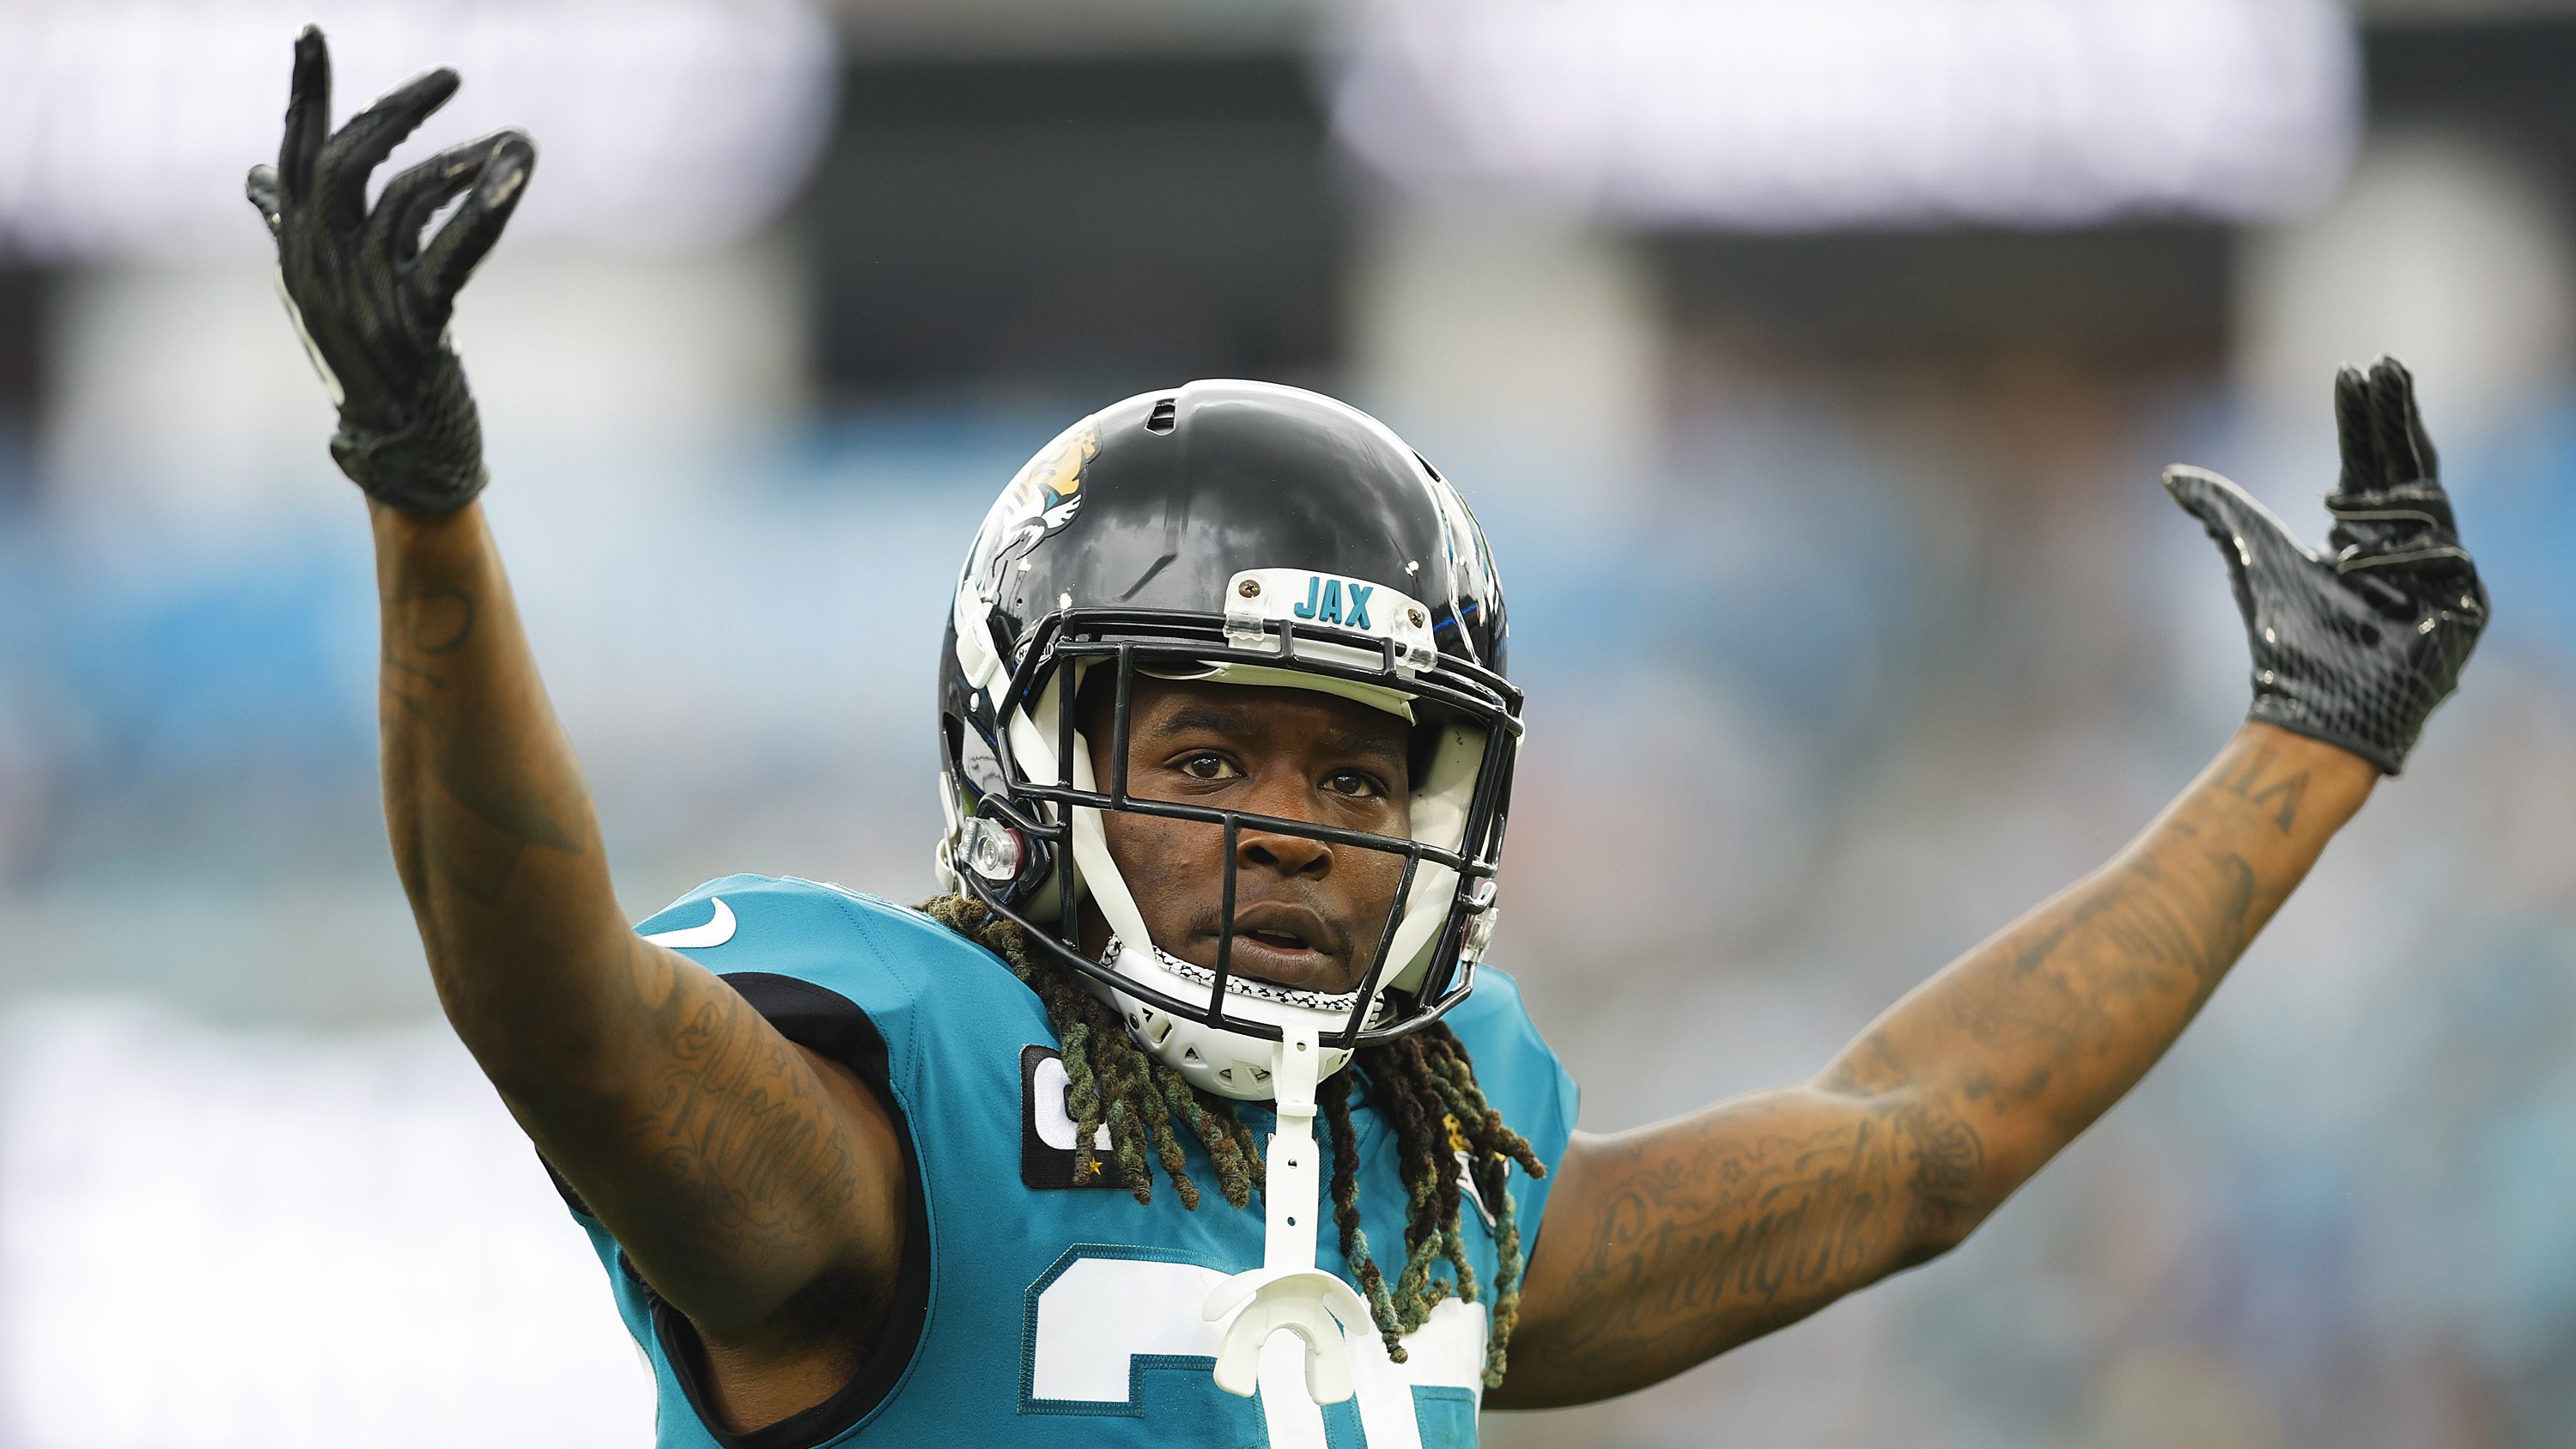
1670,1244
1665,1246
737,1170
758,1188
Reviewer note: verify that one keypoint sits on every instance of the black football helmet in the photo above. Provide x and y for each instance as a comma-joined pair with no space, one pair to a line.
1232,532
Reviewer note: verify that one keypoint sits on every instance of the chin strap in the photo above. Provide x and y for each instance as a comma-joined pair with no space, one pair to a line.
1288,1291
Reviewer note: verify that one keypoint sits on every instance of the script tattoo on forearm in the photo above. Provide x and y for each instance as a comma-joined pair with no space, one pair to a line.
1753,1226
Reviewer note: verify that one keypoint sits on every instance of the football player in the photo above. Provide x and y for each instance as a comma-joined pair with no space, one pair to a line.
1188,1112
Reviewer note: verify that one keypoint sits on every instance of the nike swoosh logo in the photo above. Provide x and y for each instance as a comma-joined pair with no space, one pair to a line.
717,931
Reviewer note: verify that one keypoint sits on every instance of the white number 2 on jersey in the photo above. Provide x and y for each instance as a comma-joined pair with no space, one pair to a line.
1102,1309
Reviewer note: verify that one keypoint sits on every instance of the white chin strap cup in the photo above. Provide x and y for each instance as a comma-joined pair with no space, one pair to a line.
1288,1291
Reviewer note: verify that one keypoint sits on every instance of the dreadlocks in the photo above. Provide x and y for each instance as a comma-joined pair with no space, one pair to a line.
1422,1083
1110,1081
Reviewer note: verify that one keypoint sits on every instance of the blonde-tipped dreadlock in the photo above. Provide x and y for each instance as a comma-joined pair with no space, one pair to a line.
1421,1082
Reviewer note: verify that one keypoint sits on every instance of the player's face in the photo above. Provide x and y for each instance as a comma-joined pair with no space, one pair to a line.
1306,914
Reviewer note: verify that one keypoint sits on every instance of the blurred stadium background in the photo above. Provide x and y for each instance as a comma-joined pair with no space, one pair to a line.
1810,367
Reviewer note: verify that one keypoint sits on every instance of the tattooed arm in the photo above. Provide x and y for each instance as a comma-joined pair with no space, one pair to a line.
758,1187
1668,1245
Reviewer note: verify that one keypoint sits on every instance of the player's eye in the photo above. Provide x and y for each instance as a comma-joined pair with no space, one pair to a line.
1356,784
1206,765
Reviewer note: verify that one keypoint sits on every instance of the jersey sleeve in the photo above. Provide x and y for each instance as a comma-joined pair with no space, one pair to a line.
1522,1079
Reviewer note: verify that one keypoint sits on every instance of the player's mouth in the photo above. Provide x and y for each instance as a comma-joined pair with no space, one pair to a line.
1287,944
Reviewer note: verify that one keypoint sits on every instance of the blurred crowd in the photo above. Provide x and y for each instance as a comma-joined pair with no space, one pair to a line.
1852,618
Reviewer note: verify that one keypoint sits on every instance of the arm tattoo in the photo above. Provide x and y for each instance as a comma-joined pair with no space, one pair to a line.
1686,1239
1753,1225
2260,784
2173,918
738,1175
478,848
737,1127
441,619
432,622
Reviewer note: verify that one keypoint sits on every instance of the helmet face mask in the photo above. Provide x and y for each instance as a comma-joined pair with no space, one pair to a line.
1227,533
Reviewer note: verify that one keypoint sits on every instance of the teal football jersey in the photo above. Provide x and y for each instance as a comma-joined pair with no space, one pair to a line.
1038,1313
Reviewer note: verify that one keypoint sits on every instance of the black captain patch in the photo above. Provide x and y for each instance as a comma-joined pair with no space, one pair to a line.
1047,1130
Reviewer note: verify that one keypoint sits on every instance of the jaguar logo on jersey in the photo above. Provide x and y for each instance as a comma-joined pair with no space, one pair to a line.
1047,1130
1041,499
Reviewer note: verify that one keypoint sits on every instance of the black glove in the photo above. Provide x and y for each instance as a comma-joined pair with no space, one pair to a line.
370,303
2353,646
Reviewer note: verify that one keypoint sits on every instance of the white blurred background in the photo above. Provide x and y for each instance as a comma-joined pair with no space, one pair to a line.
1810,368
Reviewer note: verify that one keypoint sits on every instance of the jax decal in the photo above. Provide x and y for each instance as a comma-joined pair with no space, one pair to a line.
1333,601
